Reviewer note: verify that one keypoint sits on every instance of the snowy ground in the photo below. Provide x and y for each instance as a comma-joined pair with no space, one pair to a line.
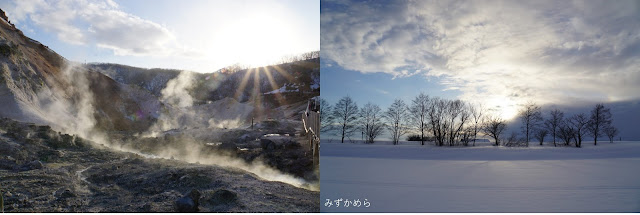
414,178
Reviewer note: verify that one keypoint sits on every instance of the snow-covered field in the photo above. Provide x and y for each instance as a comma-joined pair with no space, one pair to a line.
414,178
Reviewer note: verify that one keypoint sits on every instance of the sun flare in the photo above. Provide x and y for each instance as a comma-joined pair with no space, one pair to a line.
258,40
505,108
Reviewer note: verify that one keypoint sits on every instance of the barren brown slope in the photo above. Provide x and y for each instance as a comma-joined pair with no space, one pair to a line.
34,79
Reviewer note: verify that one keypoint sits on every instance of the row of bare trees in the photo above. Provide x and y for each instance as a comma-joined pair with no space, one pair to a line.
300,57
455,122
346,118
449,122
570,130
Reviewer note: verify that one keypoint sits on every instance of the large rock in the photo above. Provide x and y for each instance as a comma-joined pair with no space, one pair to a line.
267,144
189,202
67,194
223,197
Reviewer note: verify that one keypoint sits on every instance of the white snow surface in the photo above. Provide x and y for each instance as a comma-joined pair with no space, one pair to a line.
414,178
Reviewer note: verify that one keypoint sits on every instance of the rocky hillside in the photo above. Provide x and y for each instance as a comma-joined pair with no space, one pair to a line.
273,86
152,80
38,85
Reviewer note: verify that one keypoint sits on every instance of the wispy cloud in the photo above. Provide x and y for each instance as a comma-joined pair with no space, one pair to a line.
505,52
102,23
383,91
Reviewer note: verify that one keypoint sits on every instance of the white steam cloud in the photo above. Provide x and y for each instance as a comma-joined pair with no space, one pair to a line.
196,153
74,112
225,123
177,91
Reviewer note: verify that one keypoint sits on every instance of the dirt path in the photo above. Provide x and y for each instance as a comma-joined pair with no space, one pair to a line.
83,187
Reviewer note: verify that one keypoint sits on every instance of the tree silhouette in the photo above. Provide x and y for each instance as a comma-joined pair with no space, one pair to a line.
326,118
600,119
477,117
396,116
437,120
371,121
540,134
494,127
553,123
611,132
458,115
419,114
346,112
579,123
530,115
566,132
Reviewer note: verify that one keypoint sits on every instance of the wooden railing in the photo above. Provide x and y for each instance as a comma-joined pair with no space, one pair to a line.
311,123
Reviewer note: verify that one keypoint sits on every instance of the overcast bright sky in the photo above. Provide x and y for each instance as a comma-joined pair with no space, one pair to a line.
202,36
499,53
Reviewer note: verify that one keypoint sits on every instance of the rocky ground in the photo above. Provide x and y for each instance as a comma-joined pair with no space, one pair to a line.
42,170
276,143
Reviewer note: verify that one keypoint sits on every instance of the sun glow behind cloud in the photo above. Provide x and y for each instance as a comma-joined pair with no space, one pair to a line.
499,53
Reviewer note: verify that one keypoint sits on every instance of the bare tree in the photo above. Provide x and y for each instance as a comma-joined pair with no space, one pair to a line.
600,119
553,123
579,123
437,120
514,140
310,55
494,127
477,118
458,115
234,68
326,118
540,134
565,132
466,135
419,114
346,112
611,132
530,115
396,116
371,121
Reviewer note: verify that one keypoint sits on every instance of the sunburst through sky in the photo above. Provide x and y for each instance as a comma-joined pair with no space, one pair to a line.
197,35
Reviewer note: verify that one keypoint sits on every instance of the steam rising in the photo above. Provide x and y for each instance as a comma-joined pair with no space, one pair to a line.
230,123
177,91
197,153
71,111
176,96
74,113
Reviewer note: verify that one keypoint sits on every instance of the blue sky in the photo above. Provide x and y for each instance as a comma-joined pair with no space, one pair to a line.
337,82
502,54
202,35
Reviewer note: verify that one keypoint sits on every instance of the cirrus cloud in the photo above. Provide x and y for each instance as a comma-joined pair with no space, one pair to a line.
506,52
100,23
